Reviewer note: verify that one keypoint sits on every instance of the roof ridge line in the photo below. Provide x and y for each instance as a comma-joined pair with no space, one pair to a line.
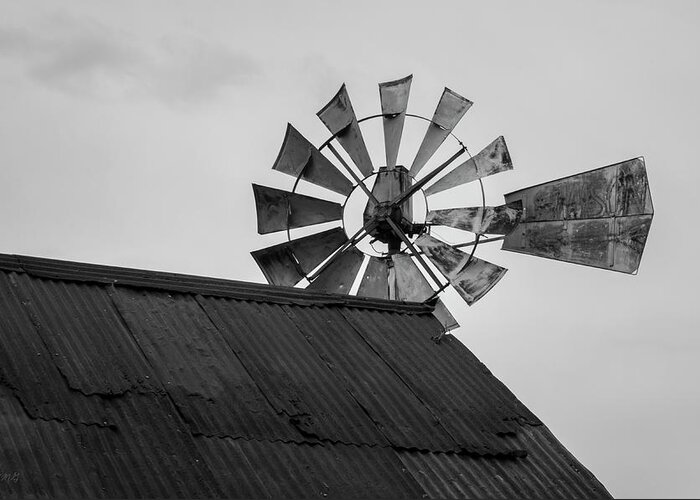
184,283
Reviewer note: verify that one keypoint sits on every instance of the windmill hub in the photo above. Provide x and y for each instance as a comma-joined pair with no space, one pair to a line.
383,231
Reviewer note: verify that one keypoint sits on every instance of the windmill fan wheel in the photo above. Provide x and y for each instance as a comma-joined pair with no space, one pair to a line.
599,218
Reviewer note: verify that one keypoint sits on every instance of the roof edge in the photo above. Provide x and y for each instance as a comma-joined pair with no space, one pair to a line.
95,273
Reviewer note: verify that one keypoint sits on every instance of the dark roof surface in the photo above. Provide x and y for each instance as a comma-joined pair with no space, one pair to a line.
125,383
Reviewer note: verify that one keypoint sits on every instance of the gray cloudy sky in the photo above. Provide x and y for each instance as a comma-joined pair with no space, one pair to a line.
130,133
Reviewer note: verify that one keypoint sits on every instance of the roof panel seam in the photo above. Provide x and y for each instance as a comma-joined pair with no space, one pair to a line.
330,368
197,299
403,381
176,413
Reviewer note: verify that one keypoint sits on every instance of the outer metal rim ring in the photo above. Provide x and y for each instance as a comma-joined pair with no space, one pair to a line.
342,221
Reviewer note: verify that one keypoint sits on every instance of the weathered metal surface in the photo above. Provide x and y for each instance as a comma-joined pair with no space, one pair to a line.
493,159
394,99
295,380
473,406
278,210
481,220
403,419
83,323
607,243
388,185
412,285
632,194
299,157
341,374
444,316
600,218
340,275
375,280
616,190
28,368
282,470
148,453
549,471
339,117
287,263
205,379
471,278
630,237
450,110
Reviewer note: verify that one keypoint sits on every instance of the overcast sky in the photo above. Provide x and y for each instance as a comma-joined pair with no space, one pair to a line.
130,133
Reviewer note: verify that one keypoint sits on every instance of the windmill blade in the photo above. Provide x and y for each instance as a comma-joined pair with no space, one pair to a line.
394,99
480,220
299,157
412,285
287,263
276,208
600,218
493,159
450,110
471,278
340,275
375,282
340,119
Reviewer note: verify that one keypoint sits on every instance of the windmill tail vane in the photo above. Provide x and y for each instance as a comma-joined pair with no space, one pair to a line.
599,218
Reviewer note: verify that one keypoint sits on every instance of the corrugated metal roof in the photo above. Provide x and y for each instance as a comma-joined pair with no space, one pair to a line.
548,471
294,378
201,373
474,407
127,383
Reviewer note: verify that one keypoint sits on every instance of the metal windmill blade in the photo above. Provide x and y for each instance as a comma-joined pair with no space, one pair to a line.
340,119
299,158
280,210
450,110
599,218
394,99
493,159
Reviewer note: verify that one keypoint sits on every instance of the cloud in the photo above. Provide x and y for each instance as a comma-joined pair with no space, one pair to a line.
89,59
195,69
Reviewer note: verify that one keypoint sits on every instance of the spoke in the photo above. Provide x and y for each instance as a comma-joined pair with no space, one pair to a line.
352,241
474,242
418,185
353,174
413,250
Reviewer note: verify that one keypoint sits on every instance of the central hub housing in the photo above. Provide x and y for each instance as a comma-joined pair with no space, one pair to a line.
390,183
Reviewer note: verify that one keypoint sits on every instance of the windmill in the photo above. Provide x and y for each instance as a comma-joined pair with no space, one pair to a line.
599,218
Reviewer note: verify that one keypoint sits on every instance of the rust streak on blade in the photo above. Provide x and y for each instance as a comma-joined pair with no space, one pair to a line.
275,207
450,110
340,275
287,263
339,117
375,282
480,220
616,244
493,159
299,157
394,99
615,190
471,278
